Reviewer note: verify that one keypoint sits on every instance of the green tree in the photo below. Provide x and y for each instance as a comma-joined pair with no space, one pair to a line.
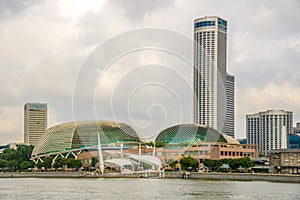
47,162
3,164
188,163
246,162
25,152
214,165
150,144
94,161
60,162
14,157
73,163
26,164
234,164
160,144
13,165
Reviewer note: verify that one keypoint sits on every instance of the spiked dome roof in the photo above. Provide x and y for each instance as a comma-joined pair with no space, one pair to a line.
192,134
74,135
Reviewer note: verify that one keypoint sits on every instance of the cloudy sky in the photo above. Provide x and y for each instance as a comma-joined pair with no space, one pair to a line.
48,48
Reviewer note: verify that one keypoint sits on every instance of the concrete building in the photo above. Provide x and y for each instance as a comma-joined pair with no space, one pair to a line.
285,161
296,130
207,150
200,142
230,105
269,129
35,122
252,125
210,36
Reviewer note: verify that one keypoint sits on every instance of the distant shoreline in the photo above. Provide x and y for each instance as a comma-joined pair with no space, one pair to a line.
287,178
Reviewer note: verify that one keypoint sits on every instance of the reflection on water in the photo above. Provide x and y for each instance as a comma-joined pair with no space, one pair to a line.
132,188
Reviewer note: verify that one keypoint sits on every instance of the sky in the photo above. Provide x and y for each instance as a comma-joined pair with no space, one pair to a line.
129,60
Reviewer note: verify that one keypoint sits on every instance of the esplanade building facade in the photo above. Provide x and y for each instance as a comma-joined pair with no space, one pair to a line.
120,144
200,142
78,137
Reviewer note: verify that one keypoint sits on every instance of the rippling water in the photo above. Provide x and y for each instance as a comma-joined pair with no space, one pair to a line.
135,188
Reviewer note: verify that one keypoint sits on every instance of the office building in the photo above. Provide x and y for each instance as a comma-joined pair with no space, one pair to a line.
252,125
269,129
210,44
230,105
35,122
294,138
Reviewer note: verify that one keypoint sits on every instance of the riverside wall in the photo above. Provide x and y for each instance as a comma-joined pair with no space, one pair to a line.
240,177
193,175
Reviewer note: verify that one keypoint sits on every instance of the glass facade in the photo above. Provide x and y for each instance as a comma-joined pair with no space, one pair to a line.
222,24
84,134
294,141
189,134
204,23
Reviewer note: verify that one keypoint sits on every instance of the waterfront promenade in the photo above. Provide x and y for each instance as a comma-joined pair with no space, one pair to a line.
289,178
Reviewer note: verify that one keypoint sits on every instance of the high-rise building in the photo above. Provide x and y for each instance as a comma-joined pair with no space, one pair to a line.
35,122
252,124
230,105
210,44
269,129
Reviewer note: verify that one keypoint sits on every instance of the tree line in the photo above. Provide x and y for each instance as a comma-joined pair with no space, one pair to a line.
234,164
12,160
16,159
191,164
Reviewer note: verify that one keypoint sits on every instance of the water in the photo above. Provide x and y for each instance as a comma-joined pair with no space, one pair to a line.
139,188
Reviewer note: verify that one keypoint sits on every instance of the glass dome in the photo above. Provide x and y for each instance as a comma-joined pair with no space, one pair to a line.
74,135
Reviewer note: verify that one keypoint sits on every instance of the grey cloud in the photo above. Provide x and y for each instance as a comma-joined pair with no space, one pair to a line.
10,8
43,68
136,10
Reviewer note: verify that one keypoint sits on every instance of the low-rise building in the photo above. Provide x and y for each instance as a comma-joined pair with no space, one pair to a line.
200,142
285,161
207,150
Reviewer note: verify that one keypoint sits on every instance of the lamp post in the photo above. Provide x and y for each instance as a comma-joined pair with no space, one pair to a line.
101,163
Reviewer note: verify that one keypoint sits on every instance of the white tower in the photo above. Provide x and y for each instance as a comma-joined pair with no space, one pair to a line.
210,44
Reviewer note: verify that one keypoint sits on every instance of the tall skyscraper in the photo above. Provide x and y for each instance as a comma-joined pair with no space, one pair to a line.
269,129
230,105
35,122
210,44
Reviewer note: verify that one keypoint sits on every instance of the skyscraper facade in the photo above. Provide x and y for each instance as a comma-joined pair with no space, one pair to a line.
35,122
230,105
252,124
210,44
269,129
